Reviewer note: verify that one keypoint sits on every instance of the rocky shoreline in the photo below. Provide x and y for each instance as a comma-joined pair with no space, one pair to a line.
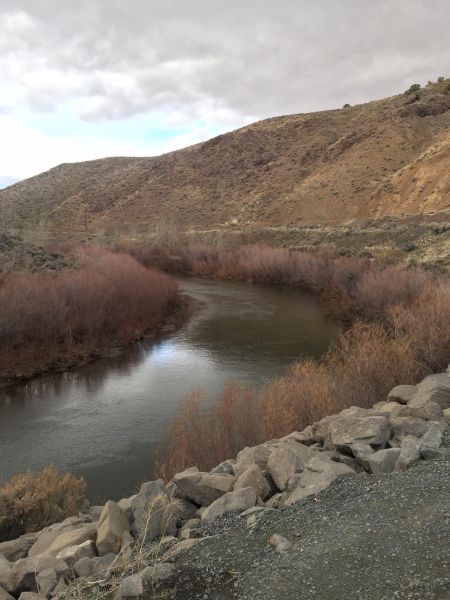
191,538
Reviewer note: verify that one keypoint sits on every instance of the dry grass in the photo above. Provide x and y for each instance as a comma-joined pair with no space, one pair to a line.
30,502
398,331
48,319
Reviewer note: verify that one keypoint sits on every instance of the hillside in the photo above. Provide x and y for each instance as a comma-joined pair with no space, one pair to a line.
387,157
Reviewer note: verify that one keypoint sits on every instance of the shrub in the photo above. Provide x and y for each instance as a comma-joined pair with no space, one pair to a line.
30,502
48,319
415,87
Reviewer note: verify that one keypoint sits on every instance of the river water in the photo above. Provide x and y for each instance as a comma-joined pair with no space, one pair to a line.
104,420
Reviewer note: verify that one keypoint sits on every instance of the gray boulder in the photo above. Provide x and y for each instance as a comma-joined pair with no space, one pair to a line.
432,440
409,453
236,501
256,454
346,431
18,548
111,527
72,554
154,513
24,572
286,460
46,582
321,429
224,468
384,461
4,595
202,488
126,505
5,571
434,388
253,477
319,473
97,565
135,586
402,393
446,415
402,426
55,538
30,596
279,543
362,453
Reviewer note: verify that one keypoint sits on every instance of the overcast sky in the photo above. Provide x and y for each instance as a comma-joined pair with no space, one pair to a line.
82,79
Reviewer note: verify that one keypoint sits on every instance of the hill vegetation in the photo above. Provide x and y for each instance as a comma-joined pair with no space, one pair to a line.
388,157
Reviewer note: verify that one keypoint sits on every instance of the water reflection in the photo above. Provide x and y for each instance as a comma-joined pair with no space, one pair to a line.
105,419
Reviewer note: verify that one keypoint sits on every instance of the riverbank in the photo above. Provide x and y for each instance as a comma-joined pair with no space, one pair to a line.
53,321
360,488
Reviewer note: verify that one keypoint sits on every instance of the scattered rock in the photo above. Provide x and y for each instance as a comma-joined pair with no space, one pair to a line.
253,477
280,543
24,572
85,567
286,460
111,528
236,501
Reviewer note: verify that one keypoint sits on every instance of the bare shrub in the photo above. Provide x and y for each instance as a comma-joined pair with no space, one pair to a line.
30,502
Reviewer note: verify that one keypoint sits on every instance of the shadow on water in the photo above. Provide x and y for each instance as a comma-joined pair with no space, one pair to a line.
105,420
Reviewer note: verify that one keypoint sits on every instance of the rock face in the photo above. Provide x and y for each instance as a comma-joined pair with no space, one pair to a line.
112,525
202,488
236,501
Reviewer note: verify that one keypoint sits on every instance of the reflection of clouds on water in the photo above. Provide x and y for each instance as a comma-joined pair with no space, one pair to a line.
104,419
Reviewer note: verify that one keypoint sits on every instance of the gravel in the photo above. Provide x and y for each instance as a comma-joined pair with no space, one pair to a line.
363,538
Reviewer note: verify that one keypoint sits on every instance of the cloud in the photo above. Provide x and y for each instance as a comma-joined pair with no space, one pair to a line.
224,62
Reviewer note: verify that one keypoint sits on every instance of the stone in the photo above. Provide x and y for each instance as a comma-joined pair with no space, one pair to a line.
12,550
434,388
5,571
432,440
345,431
134,587
236,501
320,430
95,512
253,477
126,505
225,468
301,437
387,409
362,452
384,461
287,459
4,595
402,393
30,596
279,543
402,426
112,525
63,535
24,572
409,452
446,417
154,513
72,554
277,500
186,531
256,454
97,565
202,488
185,511
318,474
60,588
46,581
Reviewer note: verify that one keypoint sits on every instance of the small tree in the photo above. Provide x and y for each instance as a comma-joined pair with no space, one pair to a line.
413,89
346,106
441,79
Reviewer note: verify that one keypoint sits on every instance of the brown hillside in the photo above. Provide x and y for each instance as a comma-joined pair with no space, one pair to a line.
388,157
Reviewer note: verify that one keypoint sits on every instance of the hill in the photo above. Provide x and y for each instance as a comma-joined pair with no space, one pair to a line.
387,157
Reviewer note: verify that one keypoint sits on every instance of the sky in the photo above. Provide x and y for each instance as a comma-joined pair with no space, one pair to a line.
84,79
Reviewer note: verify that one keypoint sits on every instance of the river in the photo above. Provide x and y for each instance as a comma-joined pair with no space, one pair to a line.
104,420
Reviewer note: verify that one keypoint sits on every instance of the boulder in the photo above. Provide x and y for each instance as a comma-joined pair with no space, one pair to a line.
402,426
24,572
5,571
346,431
387,409
279,543
185,532
185,511
46,582
154,513
432,440
202,488
126,505
277,500
18,548
362,452
4,595
97,565
225,468
383,461
74,553
253,477
134,587
286,460
30,596
63,535
409,452
402,393
434,388
112,525
256,454
446,415
318,474
181,547
236,501
302,437
320,430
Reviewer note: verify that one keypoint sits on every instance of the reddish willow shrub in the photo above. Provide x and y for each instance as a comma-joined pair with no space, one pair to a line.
46,319
399,331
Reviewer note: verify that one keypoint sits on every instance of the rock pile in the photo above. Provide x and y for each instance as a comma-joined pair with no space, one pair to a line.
91,549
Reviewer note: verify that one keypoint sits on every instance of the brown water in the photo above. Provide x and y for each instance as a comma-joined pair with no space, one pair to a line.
104,420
